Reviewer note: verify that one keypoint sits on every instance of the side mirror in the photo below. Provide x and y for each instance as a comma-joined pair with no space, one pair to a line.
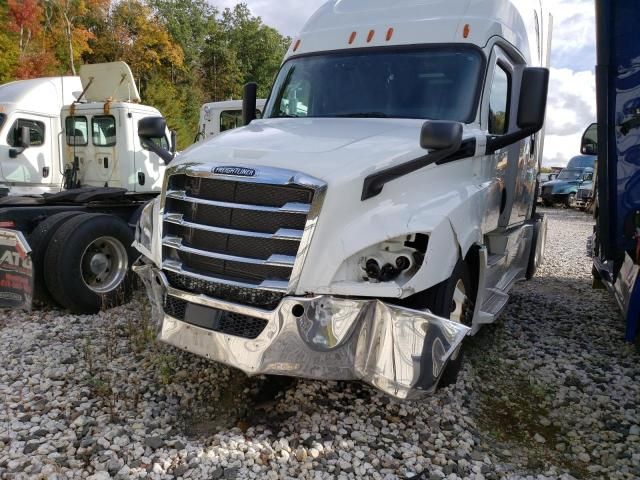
589,142
441,135
24,138
24,142
532,106
150,128
174,141
249,100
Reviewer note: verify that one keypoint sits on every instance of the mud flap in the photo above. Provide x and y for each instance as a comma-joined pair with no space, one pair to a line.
16,271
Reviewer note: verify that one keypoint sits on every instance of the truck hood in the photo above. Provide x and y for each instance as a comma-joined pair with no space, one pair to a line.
319,147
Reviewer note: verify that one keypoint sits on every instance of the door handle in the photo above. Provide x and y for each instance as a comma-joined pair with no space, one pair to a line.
45,172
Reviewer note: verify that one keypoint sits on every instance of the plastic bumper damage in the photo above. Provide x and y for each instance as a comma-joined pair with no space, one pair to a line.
401,352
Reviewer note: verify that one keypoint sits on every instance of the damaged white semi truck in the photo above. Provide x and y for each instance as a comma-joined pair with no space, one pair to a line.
379,212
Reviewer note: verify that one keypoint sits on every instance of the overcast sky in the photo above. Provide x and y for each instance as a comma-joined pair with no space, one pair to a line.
572,105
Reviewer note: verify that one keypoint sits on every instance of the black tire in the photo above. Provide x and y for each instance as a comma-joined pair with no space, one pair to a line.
39,242
67,263
570,201
439,300
532,266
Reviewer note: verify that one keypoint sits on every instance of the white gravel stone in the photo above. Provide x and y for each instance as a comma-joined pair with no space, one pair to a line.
91,397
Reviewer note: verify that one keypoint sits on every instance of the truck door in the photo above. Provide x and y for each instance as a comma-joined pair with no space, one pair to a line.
149,168
34,165
499,118
104,139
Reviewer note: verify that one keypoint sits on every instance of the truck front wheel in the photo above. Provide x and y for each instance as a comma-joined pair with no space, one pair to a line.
452,299
87,264
570,201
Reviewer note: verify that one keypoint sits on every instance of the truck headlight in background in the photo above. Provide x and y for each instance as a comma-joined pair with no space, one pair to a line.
144,230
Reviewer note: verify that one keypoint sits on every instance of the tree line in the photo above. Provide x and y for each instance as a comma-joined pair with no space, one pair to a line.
181,52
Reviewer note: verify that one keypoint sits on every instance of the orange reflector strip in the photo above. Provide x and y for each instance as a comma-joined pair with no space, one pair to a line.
297,45
389,34
352,38
465,31
370,36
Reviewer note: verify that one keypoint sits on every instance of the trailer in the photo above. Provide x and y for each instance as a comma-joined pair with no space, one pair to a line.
615,245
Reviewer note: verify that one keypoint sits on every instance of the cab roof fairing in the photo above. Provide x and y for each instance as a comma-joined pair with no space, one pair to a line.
414,22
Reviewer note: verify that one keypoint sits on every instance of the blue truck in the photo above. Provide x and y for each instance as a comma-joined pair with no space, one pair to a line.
615,245
565,187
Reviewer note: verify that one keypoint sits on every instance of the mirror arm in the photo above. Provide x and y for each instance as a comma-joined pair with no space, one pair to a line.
161,152
374,183
496,142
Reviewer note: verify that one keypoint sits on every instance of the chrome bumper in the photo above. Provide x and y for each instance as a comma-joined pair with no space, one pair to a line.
401,352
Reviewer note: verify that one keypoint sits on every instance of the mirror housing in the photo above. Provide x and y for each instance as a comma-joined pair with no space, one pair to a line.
441,135
174,142
24,142
589,142
150,128
532,106
24,139
249,101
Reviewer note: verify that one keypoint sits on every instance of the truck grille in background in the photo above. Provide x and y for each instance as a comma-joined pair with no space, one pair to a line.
547,190
239,233
225,322
584,194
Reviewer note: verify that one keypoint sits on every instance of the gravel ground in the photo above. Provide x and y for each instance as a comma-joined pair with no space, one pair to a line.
549,391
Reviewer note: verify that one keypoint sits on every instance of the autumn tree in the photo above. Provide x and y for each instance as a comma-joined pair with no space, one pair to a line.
259,48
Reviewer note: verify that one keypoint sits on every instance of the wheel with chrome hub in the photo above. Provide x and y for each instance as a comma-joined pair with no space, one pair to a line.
88,263
104,264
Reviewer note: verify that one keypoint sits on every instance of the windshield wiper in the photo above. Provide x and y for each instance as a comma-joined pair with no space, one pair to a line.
287,115
364,115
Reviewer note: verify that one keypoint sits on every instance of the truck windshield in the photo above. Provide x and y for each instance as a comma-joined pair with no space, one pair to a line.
570,175
428,83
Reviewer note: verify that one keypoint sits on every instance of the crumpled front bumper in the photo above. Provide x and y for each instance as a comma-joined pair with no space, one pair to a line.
401,352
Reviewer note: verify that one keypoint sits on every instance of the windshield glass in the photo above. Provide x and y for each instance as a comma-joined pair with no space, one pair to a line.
3,117
570,175
429,83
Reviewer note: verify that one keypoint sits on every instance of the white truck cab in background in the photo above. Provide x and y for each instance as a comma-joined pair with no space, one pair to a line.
218,117
380,210
35,104
101,146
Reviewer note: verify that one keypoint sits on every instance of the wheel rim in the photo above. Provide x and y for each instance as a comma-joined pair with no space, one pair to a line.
104,265
460,305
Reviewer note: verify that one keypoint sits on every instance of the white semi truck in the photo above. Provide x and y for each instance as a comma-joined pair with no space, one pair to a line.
380,210
35,104
218,117
75,185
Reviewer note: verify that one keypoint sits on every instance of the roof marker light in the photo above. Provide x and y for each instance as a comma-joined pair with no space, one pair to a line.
466,31
297,45
389,34
370,36
352,38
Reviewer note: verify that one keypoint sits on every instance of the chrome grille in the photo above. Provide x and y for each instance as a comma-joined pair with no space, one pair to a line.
584,193
243,232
